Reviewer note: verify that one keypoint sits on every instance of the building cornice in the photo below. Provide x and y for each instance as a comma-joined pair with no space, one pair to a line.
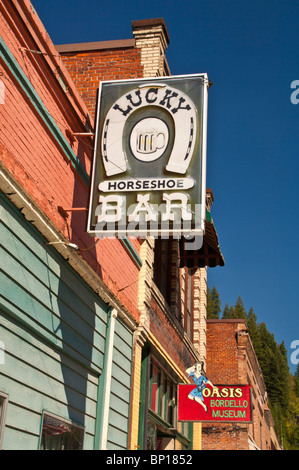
95,46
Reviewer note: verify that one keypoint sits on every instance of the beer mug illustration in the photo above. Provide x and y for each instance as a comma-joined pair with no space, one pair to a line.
149,141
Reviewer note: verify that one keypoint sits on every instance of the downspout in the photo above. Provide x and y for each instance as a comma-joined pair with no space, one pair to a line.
102,419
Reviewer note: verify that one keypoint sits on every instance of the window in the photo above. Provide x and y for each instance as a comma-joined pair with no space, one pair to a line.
60,434
162,266
171,402
3,405
155,390
161,430
162,394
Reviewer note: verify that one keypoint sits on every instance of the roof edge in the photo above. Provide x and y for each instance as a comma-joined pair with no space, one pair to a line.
226,320
98,45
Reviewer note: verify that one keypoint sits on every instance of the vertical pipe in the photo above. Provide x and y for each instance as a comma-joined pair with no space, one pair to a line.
101,434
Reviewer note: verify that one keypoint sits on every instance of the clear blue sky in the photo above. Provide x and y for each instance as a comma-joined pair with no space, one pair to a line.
250,52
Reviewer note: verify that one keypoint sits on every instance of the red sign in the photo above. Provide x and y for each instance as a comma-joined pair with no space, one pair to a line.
219,403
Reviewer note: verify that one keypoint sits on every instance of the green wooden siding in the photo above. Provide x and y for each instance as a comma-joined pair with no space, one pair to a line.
120,388
53,327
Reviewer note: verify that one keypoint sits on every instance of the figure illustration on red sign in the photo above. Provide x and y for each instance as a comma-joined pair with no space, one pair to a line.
198,375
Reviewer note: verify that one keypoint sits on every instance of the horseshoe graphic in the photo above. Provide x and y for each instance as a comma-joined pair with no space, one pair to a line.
175,102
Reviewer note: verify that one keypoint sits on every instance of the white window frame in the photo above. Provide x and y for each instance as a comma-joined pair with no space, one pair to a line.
64,420
4,397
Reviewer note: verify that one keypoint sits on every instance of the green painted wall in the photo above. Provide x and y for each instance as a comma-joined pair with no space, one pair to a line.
53,327
120,388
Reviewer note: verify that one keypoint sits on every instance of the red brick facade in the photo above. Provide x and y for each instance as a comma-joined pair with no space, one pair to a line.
116,60
46,159
231,360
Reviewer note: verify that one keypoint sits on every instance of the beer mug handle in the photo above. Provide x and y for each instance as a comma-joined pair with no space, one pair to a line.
159,145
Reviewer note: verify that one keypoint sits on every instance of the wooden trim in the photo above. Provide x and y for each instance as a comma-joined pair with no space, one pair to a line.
4,396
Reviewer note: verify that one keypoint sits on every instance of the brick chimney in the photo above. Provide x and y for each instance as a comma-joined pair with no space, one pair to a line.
152,39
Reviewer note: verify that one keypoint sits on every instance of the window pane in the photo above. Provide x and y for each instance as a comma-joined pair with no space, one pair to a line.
170,403
155,389
60,435
151,436
162,266
163,390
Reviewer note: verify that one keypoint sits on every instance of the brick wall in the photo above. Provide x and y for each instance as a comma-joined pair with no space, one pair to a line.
231,360
222,368
41,112
143,56
88,68
224,437
222,354
169,332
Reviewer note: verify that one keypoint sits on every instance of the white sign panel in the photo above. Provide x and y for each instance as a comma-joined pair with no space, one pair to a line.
149,166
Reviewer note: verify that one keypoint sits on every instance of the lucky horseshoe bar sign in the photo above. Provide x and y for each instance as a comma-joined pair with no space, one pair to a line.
149,165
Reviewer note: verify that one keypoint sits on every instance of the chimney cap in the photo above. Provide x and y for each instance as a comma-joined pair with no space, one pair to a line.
139,24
